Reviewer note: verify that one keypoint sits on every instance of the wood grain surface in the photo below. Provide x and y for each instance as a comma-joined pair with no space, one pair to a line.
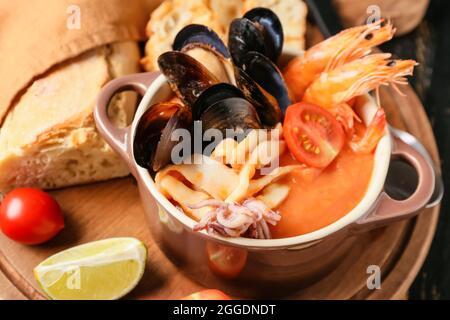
113,208
429,44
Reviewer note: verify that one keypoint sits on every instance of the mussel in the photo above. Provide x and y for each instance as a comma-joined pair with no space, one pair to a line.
187,77
223,106
230,113
250,95
243,37
272,30
266,105
212,95
268,76
195,35
204,45
152,144
259,30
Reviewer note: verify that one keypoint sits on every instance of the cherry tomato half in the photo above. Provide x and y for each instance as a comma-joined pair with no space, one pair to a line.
209,294
225,261
30,216
312,134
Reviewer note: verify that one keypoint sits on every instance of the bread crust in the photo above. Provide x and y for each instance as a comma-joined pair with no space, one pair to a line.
49,139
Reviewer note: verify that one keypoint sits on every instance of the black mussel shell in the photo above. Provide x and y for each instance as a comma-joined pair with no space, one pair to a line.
265,73
244,36
266,105
199,35
230,113
152,143
212,95
272,30
187,77
180,120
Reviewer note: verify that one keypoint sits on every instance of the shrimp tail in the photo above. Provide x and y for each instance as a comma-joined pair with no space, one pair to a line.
372,135
345,114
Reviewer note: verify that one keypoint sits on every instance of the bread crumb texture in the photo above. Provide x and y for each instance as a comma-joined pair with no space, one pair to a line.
49,139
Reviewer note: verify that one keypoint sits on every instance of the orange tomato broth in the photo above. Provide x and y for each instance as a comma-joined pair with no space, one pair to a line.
318,198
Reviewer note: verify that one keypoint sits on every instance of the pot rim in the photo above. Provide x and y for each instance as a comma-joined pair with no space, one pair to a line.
382,157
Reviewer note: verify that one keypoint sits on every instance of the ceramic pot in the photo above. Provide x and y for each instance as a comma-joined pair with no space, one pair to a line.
249,267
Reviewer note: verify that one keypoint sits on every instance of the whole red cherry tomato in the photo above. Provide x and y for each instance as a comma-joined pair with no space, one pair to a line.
30,216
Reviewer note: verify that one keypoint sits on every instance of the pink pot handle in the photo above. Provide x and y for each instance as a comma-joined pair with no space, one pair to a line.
117,137
388,210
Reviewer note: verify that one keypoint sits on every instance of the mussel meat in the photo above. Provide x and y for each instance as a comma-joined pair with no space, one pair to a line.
268,76
152,144
187,77
204,45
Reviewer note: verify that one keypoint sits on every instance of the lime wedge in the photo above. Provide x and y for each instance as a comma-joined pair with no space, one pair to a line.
101,270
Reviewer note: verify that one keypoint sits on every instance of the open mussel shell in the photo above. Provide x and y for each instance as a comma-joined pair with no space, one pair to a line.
194,35
272,30
213,95
187,77
266,105
205,46
231,113
265,73
152,143
244,36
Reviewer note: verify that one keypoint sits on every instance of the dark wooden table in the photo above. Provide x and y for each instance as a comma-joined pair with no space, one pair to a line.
429,44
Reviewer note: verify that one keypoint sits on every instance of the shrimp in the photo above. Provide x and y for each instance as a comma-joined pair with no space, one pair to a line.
372,134
333,89
348,45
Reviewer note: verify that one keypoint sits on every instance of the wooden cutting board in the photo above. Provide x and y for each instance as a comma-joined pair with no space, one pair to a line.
113,208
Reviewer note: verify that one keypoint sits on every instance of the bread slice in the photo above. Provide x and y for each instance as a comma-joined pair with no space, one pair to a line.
226,11
49,139
292,14
169,18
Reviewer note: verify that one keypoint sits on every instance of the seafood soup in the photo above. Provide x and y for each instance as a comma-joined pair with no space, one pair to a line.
249,150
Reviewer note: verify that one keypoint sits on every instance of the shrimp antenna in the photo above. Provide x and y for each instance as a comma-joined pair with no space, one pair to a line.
352,49
397,89
377,94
